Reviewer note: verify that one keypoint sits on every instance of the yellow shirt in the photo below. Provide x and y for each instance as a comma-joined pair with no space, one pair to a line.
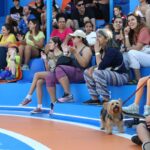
10,39
17,61
37,38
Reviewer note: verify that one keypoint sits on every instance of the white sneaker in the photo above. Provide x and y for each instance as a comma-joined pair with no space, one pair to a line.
146,146
146,110
66,98
25,67
133,108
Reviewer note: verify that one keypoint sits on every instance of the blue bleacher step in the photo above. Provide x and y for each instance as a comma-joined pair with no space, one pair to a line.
2,20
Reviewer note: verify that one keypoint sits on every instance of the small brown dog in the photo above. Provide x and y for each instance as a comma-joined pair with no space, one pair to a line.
111,115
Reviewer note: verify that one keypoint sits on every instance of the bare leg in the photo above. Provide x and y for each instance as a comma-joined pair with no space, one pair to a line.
140,92
147,15
148,94
27,54
143,133
52,93
37,76
64,81
30,52
39,90
13,68
21,53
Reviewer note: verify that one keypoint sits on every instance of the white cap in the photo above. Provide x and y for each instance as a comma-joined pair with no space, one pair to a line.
91,38
78,33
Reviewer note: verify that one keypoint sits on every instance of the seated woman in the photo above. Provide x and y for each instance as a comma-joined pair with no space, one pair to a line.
110,69
137,39
90,34
134,108
118,31
64,74
143,134
34,41
62,32
6,38
52,53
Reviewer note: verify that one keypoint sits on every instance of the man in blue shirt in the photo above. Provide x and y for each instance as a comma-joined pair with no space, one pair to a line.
23,24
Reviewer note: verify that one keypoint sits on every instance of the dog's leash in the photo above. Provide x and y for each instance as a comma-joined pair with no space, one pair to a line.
130,114
135,91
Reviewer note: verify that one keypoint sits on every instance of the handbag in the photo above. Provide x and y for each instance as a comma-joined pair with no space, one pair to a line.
64,60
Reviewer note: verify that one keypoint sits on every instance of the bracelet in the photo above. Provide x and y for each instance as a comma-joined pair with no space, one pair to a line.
97,53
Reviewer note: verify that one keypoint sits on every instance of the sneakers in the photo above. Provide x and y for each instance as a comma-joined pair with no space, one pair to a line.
25,102
36,111
92,102
25,67
135,139
146,110
66,98
133,109
132,82
146,146
51,109
12,77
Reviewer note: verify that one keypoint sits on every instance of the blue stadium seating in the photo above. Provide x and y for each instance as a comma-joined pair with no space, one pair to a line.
13,93
79,91
36,65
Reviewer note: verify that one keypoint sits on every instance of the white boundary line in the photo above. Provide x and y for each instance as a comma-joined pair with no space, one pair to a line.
30,142
124,135
58,114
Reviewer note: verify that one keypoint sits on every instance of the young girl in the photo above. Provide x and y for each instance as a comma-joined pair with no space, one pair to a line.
52,53
13,63
34,41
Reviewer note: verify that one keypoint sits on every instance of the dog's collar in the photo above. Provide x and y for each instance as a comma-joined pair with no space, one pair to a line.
111,118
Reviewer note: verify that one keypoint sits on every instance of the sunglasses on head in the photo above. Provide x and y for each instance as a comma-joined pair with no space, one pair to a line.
81,4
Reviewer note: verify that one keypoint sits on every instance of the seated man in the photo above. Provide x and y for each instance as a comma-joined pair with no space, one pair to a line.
23,23
143,134
101,8
82,14
16,11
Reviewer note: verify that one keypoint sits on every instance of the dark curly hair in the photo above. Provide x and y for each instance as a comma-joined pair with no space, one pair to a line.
133,34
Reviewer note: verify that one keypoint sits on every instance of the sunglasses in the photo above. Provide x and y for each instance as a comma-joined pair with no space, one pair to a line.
82,4
73,37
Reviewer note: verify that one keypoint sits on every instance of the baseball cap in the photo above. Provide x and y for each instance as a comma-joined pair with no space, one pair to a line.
78,33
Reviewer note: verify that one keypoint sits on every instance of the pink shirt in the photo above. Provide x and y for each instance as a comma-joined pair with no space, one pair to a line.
144,36
62,35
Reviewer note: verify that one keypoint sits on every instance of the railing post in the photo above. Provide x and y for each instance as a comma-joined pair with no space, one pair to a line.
49,5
